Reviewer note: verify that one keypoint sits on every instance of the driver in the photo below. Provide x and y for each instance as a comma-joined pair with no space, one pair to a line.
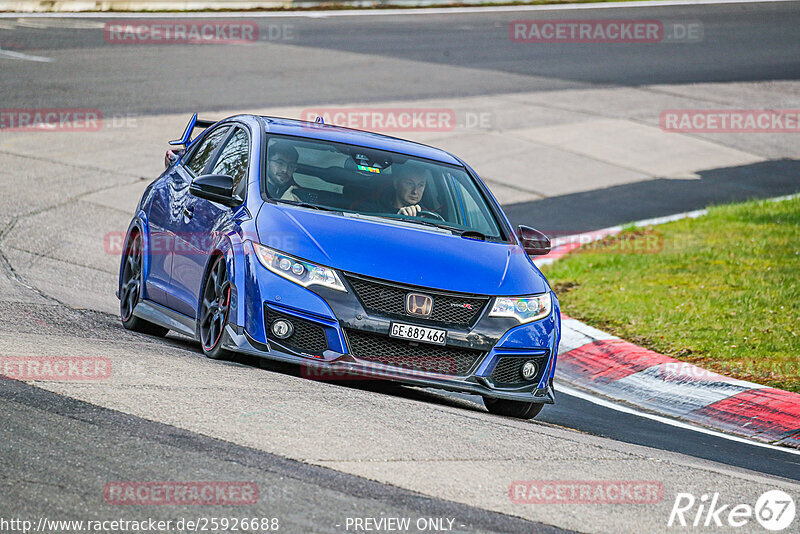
409,183
281,165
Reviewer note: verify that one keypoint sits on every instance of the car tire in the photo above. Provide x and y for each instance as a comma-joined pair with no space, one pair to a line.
130,292
509,408
214,310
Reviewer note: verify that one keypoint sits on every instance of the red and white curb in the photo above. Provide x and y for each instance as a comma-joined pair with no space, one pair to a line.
600,363
595,361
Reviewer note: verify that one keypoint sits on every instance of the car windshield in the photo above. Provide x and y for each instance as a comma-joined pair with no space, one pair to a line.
365,181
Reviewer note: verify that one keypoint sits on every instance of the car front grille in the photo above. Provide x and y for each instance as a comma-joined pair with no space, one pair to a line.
423,357
308,337
390,299
508,371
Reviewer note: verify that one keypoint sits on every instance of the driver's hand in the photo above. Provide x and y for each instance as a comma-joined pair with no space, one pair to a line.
411,211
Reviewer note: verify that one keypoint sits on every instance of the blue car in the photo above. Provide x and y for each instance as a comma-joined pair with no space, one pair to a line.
349,253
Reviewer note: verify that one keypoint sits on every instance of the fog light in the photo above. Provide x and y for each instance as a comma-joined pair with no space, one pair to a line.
282,329
529,370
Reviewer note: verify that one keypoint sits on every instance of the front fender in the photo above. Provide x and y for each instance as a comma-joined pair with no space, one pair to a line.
229,246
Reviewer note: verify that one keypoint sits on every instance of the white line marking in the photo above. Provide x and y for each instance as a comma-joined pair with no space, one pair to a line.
46,24
567,390
26,57
785,197
671,218
382,12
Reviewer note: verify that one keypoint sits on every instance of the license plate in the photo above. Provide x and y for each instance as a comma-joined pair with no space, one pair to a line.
418,333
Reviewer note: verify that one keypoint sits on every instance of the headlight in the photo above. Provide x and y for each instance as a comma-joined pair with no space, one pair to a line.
298,271
524,309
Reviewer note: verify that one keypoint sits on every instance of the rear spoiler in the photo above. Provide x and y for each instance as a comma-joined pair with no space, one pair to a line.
194,122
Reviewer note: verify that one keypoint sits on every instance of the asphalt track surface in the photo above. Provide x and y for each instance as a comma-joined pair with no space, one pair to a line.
454,55
94,444
742,43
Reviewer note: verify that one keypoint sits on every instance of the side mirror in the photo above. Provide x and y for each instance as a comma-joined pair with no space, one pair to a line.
533,241
216,188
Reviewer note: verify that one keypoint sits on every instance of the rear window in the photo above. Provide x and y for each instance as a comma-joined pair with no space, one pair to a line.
200,156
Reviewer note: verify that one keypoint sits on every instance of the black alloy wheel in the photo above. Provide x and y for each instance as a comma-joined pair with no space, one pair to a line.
214,309
130,290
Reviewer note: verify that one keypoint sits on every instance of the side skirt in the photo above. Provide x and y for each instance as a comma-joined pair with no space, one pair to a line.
163,316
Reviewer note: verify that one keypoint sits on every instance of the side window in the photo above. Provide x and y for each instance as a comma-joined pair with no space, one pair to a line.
474,213
233,161
199,158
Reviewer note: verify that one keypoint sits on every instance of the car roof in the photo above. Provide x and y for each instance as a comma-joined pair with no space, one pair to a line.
338,134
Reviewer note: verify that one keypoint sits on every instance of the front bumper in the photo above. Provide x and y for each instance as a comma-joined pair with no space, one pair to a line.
335,314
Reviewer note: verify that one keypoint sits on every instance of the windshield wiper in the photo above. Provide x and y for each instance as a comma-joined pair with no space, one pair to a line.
424,222
306,205
465,233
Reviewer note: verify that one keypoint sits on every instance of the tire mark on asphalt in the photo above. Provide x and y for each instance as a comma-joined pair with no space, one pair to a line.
13,274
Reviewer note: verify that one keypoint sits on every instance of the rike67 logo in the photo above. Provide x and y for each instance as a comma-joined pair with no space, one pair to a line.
774,510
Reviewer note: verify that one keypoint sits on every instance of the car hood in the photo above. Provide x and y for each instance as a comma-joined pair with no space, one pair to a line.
399,253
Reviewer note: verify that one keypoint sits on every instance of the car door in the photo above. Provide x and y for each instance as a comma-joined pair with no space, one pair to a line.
167,213
159,244
205,220
164,217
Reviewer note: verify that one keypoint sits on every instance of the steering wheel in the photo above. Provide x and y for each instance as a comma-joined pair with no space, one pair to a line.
430,215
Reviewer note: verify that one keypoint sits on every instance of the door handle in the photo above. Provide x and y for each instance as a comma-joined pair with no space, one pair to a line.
188,213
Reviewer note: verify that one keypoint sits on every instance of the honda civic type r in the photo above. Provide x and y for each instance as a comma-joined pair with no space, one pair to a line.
347,252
